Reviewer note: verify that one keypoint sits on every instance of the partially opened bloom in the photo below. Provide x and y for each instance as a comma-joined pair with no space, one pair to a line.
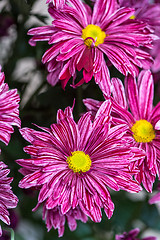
132,235
143,121
7,199
9,110
81,39
73,164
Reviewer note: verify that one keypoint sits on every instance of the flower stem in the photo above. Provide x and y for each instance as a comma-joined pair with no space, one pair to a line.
12,234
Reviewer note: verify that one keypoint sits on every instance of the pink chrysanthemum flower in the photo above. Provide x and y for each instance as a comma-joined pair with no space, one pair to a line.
73,164
150,13
7,199
143,121
132,235
9,110
144,11
58,3
82,38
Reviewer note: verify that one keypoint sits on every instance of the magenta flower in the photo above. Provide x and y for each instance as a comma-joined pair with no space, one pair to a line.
81,38
73,164
143,122
132,235
145,11
7,199
9,110
149,13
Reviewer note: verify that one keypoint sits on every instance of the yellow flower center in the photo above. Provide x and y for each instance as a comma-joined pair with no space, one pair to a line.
93,35
143,131
79,161
133,17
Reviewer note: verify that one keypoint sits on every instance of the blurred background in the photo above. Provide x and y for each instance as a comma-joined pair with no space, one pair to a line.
39,104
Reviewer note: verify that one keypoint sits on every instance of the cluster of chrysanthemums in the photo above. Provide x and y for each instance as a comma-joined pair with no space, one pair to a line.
9,117
116,143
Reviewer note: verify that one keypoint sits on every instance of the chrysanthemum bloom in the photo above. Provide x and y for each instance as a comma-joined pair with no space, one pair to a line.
143,121
72,164
81,39
144,11
7,199
150,13
9,110
58,3
132,235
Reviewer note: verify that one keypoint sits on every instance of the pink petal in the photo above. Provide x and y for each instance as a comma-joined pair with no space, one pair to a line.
145,89
119,92
132,94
